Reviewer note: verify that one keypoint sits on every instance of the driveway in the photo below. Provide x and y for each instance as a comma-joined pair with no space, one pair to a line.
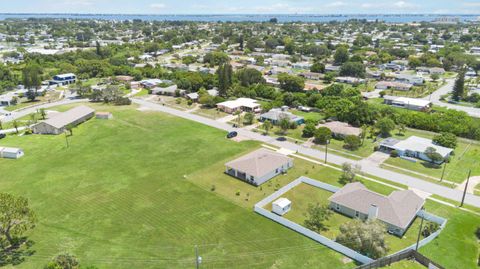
367,168
474,181
376,158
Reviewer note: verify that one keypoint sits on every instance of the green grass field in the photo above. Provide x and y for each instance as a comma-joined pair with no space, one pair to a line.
117,198
405,264
304,194
136,192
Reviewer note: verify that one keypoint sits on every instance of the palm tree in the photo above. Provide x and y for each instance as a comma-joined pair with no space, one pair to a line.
43,113
267,125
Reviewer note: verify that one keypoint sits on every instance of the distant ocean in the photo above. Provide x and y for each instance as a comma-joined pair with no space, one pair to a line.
394,18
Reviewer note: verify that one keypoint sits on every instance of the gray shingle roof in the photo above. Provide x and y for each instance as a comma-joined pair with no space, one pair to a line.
63,119
259,162
399,208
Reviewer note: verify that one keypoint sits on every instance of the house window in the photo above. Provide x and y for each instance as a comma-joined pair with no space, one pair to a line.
338,207
252,178
356,214
276,171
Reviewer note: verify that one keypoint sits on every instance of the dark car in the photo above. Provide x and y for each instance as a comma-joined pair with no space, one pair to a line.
281,138
2,136
232,134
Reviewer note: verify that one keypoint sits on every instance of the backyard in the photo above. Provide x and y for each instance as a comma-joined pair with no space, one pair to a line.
304,194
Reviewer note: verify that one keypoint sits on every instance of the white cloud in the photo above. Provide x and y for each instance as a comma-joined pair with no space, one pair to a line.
471,4
404,5
158,5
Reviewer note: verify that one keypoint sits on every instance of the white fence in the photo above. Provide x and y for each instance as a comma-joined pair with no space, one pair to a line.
259,208
299,228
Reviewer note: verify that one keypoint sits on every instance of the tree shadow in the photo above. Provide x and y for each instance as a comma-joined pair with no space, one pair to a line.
16,254
431,165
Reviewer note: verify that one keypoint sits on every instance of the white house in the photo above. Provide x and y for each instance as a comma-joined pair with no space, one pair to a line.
414,147
408,103
11,153
240,104
63,79
281,206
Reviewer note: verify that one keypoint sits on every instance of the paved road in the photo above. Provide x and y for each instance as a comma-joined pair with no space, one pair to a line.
367,167
445,89
24,112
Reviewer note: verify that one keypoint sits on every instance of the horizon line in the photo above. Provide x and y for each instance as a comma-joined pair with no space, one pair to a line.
248,14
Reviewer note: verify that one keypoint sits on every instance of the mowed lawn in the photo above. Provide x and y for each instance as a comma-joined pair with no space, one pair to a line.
117,198
303,195
466,156
456,247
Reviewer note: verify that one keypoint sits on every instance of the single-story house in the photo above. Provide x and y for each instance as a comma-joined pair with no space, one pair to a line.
312,75
192,96
349,80
281,206
259,166
415,80
150,83
58,123
385,85
240,104
408,103
63,79
397,210
341,129
11,153
414,147
170,90
103,115
277,114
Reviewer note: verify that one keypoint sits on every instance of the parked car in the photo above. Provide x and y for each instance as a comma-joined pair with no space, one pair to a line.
281,138
2,136
232,134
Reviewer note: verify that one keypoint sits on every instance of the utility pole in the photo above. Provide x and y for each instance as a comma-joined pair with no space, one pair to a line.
66,139
326,150
443,171
419,233
198,259
466,186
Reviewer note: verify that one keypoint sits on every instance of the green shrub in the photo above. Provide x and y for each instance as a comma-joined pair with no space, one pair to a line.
394,154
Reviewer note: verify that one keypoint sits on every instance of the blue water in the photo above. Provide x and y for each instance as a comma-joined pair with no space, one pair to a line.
397,18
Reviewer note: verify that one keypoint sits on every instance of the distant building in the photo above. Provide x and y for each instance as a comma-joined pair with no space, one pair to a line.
349,80
407,103
11,153
275,115
397,210
63,79
103,115
240,104
387,85
58,123
414,147
415,80
170,90
341,129
259,166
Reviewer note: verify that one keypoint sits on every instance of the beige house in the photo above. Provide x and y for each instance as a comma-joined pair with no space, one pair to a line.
397,210
341,129
58,123
240,104
259,166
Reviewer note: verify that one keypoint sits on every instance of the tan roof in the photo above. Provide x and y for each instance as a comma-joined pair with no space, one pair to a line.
342,128
399,208
63,119
259,162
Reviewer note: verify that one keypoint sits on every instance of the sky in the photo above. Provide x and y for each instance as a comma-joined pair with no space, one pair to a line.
242,6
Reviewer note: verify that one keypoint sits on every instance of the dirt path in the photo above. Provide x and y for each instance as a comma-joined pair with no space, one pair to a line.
474,181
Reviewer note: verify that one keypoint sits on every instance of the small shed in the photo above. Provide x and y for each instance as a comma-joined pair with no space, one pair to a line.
103,115
11,153
281,206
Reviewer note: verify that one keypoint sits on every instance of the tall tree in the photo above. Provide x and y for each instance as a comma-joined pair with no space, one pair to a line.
32,80
316,216
224,73
16,218
368,237
459,88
